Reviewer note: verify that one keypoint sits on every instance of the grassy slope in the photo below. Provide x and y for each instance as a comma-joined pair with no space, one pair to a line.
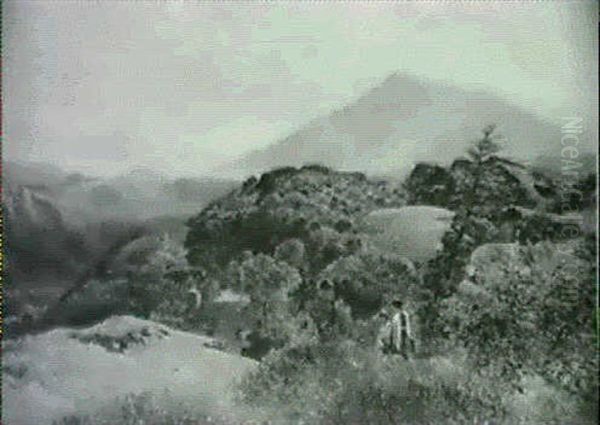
414,231
55,374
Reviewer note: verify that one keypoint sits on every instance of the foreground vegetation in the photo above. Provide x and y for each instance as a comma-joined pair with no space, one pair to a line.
504,310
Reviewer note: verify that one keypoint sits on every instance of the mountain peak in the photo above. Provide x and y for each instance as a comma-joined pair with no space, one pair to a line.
402,121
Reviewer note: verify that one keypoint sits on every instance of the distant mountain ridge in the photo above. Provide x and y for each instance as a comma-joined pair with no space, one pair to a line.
62,228
404,121
140,194
554,165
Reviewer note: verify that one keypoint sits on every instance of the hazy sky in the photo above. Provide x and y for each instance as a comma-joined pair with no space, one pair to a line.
101,87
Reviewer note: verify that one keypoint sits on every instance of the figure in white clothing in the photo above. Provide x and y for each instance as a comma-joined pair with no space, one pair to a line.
396,336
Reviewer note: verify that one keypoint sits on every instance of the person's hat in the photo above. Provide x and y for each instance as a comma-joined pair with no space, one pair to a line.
397,303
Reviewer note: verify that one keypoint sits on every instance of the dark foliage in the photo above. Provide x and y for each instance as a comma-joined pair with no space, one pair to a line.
283,204
430,184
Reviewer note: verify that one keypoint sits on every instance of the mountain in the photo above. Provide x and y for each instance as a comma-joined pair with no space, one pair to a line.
62,229
554,165
403,121
138,195
40,245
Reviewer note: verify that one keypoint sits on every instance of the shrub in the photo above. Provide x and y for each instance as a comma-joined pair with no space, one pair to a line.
137,409
430,185
529,311
342,382
292,251
368,279
269,283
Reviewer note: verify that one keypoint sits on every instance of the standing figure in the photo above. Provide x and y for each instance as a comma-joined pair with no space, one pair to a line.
396,335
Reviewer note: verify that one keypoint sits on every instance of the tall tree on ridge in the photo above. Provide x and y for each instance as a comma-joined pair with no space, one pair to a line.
483,152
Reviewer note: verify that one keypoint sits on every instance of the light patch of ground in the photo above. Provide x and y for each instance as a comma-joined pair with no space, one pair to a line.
66,371
228,296
414,232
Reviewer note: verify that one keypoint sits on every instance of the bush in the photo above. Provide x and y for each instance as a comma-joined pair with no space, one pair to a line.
430,184
269,284
367,280
148,272
529,311
140,409
342,383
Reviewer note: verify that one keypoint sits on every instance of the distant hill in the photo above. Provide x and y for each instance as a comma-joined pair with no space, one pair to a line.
287,203
40,245
553,165
403,121
61,228
140,194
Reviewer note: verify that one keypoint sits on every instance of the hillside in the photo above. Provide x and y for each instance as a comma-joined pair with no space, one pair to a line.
496,185
62,230
552,165
286,203
404,121
499,184
313,257
138,195
67,371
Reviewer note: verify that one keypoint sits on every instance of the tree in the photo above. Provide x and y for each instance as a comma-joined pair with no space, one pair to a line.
331,316
269,283
291,251
483,153
158,275
430,184
485,148
367,279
